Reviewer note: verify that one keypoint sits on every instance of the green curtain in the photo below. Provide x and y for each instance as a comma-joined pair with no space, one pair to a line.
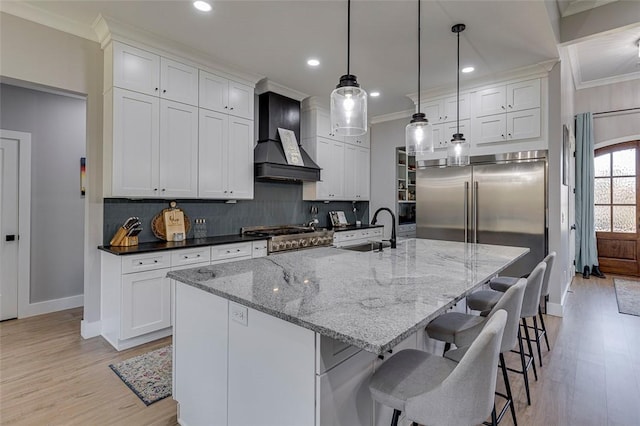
586,250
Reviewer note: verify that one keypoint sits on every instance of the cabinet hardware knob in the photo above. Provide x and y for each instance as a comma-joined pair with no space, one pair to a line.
225,192
225,107
186,257
156,89
231,108
502,136
510,106
510,135
163,189
139,263
228,251
155,189
237,249
502,107
164,91
155,261
198,256
231,192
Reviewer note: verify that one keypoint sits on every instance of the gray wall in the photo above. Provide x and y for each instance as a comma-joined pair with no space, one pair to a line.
58,132
274,203
385,138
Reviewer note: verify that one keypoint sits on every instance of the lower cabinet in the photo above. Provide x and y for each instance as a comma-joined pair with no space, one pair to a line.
356,236
137,297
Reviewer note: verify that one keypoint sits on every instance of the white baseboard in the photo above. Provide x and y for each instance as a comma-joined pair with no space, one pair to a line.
49,306
90,329
554,309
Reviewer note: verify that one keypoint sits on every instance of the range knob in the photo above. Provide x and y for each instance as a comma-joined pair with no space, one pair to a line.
304,242
314,241
275,246
295,243
287,245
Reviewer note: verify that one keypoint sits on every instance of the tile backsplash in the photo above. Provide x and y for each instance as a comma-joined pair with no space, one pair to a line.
274,203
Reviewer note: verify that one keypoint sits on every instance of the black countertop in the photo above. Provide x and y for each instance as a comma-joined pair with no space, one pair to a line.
173,245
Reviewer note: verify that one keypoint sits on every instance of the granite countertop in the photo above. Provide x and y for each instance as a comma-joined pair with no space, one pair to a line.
173,245
370,300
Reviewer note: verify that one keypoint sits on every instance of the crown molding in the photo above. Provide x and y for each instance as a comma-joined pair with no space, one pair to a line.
608,80
109,29
266,85
40,16
315,102
538,70
392,116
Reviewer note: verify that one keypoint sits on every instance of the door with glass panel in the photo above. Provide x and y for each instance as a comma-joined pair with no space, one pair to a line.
616,208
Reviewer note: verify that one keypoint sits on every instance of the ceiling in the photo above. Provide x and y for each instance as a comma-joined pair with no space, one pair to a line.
274,39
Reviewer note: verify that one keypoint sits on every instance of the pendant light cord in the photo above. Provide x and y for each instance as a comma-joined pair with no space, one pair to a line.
458,101
419,58
348,36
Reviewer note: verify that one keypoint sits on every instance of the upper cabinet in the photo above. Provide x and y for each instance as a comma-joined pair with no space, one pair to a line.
145,72
445,110
174,131
505,98
226,96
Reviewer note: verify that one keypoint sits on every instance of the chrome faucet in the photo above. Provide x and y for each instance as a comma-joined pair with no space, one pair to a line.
393,224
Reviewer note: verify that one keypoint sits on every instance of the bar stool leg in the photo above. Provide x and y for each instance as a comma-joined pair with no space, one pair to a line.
544,329
535,330
524,368
494,420
503,367
528,339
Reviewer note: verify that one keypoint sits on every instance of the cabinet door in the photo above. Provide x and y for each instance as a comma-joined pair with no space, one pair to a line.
363,178
491,128
240,160
344,397
325,160
324,126
350,172
439,139
135,69
146,303
337,170
200,356
490,101
434,111
178,150
361,141
135,144
523,95
523,124
178,82
451,107
214,92
240,100
212,158
452,128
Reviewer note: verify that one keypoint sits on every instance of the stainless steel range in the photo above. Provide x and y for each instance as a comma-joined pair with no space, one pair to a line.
290,237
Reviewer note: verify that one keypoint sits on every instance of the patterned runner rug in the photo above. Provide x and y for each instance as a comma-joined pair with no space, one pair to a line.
628,295
147,375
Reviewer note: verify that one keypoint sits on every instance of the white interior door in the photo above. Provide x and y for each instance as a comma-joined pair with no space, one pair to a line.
8,228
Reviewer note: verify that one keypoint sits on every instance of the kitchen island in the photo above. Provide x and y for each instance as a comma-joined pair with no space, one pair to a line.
292,338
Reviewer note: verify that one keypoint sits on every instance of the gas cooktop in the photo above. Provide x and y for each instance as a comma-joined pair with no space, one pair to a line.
290,237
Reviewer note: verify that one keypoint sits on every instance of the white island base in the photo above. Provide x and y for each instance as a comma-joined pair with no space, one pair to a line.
237,366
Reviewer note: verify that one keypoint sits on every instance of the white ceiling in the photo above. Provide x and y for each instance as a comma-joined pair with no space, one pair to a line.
275,38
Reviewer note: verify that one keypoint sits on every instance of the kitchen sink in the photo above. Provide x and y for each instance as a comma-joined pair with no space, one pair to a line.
373,246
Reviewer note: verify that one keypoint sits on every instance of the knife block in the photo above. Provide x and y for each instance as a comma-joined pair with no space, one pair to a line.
120,239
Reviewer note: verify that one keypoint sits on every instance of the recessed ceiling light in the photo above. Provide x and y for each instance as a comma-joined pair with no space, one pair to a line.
467,69
374,94
313,62
202,6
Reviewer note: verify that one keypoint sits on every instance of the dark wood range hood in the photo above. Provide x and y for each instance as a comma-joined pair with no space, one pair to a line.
270,162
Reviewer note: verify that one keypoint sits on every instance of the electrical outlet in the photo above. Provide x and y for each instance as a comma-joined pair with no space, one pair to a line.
239,314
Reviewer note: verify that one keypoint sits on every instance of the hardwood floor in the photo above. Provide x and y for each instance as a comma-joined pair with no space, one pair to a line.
50,375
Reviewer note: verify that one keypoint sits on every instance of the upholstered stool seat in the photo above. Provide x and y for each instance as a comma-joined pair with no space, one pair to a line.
501,283
483,300
455,327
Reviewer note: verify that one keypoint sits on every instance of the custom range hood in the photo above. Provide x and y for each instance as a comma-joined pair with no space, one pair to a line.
270,162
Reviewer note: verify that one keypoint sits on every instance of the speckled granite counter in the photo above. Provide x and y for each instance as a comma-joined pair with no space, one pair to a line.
371,300
173,245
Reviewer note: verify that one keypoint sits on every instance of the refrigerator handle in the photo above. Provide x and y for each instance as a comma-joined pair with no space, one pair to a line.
466,212
475,212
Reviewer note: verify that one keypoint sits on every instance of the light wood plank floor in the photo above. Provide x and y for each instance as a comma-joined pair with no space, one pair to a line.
50,375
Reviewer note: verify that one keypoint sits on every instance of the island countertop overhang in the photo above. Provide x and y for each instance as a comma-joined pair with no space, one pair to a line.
370,300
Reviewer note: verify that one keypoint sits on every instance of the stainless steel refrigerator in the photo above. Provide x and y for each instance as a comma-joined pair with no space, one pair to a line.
498,199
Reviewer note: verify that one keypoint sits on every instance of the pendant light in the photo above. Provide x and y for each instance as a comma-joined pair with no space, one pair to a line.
458,150
348,100
419,133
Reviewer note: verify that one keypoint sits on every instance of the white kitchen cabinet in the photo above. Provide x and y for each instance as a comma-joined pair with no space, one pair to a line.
407,230
491,128
145,72
153,146
135,147
443,133
178,170
226,96
226,156
445,110
134,69
316,122
146,303
178,82
356,236
523,124
200,373
363,141
363,178
511,97
329,155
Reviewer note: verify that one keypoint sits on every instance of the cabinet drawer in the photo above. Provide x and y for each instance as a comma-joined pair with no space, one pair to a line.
331,352
259,248
190,256
145,262
230,251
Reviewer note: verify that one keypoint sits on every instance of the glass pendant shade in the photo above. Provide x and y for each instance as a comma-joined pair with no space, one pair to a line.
419,136
458,151
349,108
